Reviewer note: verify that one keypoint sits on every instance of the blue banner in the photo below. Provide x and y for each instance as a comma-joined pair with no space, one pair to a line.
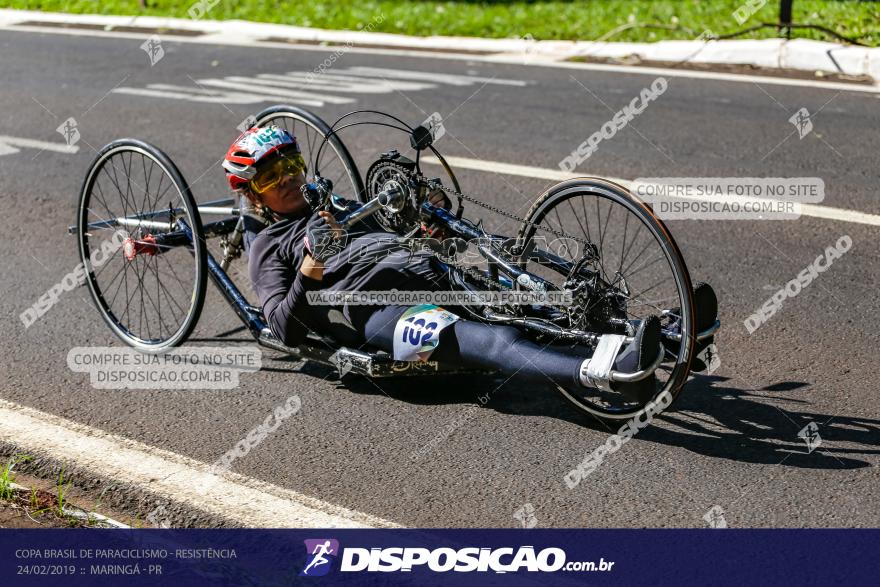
439,557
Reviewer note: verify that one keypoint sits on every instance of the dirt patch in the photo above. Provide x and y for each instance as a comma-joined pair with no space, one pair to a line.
32,502
36,509
12,516
113,28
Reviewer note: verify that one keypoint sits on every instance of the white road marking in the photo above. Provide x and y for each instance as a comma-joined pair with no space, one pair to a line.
239,41
264,87
812,210
447,78
507,168
339,83
309,88
9,145
841,214
246,501
189,94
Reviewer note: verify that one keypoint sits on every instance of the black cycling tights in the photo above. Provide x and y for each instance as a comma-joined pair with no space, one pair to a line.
476,344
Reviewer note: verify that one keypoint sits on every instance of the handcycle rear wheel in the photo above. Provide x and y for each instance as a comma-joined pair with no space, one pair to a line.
150,295
638,261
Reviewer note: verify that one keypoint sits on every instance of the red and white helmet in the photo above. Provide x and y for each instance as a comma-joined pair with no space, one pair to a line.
255,146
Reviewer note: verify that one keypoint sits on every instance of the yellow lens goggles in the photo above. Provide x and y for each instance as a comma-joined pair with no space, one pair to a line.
271,176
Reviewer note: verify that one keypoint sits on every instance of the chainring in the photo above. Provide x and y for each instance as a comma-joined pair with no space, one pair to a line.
382,175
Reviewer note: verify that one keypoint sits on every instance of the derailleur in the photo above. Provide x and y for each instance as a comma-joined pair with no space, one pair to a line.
598,305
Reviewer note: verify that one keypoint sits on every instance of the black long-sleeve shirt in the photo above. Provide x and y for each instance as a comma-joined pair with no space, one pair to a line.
371,260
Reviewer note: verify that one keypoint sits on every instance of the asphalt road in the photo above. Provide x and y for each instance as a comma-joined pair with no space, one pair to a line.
732,439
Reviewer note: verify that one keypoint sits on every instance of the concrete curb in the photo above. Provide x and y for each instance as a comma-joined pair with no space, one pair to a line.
135,478
797,54
127,498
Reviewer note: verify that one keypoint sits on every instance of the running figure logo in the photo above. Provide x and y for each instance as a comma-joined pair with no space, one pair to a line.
802,122
321,554
153,49
69,131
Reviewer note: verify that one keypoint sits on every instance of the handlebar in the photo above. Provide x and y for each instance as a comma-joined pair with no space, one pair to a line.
389,199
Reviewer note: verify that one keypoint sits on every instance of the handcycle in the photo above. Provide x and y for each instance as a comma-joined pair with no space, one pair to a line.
152,289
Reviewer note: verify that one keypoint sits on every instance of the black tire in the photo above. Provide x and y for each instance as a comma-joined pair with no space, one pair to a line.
292,119
555,209
142,166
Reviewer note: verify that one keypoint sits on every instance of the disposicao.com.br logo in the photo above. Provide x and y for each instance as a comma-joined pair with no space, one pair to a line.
323,552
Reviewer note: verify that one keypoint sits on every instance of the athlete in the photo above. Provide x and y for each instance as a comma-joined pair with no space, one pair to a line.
289,257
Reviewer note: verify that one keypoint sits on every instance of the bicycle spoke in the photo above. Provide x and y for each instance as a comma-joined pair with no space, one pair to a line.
651,288
574,215
110,215
645,265
639,256
106,263
145,292
170,266
630,247
623,242
143,305
586,218
179,283
118,287
602,235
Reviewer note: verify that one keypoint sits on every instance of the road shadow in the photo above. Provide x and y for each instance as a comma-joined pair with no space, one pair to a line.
711,417
714,418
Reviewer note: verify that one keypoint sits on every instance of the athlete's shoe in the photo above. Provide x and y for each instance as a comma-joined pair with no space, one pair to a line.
638,355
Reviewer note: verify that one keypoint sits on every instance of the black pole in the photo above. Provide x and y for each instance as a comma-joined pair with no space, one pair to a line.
785,17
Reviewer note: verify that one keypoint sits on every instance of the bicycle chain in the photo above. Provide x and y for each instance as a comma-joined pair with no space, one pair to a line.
472,272
510,215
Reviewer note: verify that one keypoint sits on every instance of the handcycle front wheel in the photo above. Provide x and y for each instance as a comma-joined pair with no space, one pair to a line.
150,294
638,269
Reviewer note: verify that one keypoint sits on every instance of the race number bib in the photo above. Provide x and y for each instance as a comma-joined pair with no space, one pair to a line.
417,332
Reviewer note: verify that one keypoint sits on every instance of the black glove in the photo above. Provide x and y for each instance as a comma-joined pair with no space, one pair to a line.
321,241
318,194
